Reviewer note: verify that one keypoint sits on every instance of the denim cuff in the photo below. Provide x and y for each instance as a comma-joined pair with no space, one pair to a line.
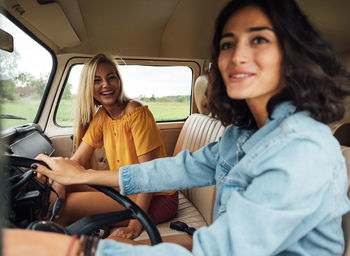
128,180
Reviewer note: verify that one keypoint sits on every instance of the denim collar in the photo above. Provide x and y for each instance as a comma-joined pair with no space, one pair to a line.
281,112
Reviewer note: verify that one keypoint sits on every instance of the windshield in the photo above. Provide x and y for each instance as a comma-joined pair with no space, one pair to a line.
23,77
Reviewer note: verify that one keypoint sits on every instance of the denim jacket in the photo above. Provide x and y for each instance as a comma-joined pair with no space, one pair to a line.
281,190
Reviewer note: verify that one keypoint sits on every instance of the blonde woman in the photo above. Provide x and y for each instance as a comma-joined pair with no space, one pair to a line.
126,128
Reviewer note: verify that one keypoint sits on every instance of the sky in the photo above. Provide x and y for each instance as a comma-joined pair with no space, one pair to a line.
138,80
29,51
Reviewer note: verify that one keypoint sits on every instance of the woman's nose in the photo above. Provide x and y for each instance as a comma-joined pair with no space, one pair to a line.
104,82
240,53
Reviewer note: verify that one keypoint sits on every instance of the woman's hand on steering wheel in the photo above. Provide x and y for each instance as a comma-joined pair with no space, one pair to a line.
132,231
67,172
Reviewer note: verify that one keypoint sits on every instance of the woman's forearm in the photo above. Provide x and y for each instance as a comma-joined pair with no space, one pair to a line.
83,154
102,178
143,200
27,242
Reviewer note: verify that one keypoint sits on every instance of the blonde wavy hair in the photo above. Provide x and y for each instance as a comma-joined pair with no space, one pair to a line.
86,105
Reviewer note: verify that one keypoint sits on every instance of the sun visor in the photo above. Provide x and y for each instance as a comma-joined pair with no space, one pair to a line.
50,20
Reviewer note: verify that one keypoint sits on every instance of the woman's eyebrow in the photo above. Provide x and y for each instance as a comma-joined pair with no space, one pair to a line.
112,73
252,29
227,35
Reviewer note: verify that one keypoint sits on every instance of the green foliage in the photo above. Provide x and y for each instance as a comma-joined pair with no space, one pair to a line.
25,79
162,111
9,64
175,98
152,99
39,84
165,109
7,90
67,94
13,81
28,80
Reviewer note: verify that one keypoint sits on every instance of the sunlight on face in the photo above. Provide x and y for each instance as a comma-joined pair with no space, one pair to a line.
250,56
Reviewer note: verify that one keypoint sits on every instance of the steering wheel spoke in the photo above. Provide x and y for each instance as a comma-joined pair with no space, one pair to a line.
90,223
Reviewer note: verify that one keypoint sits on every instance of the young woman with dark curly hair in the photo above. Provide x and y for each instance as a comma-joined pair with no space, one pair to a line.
280,176
312,72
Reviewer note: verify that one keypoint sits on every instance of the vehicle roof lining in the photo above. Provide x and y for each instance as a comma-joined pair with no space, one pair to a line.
152,28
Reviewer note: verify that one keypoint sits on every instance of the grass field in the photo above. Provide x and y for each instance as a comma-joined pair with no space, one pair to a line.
162,111
26,109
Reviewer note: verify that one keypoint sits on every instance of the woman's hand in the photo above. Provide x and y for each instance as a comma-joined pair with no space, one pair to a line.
63,170
130,232
69,172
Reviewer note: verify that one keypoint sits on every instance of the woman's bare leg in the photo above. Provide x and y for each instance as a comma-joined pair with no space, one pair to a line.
184,240
81,204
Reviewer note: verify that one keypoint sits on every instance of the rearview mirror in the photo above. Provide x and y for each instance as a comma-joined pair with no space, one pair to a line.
6,41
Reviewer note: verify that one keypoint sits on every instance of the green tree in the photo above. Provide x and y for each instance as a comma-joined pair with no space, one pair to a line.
24,79
152,99
28,80
67,93
39,84
9,72
9,63
7,90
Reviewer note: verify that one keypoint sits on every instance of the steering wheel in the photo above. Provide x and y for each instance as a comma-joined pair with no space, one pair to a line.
90,223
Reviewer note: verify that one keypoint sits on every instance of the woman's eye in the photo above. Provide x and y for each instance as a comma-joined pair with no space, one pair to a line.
226,45
97,80
112,77
260,40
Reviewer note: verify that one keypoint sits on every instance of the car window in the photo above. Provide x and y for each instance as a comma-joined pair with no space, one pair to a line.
23,78
165,89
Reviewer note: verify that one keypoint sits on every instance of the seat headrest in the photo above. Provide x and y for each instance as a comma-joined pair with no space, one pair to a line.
200,88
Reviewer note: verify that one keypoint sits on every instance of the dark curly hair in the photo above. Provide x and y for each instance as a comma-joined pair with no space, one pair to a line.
311,69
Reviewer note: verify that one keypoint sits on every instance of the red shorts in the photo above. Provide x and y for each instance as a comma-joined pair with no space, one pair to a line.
163,207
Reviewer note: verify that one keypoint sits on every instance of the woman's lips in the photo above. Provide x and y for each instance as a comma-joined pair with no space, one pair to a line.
240,76
107,93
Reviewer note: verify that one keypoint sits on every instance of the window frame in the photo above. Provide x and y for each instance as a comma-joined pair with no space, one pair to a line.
54,63
194,65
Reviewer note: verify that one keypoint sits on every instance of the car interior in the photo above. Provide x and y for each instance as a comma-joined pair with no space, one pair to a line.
170,39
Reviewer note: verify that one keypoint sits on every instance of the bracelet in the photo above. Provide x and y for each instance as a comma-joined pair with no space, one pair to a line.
83,241
88,245
94,245
70,248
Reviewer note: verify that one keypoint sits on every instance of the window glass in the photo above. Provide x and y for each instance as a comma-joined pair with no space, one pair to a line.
23,77
165,89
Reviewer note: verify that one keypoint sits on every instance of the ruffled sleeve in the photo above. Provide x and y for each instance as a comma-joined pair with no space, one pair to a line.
145,132
94,134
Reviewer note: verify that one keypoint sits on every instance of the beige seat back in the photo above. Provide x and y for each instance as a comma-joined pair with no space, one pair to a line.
198,131
346,217
200,97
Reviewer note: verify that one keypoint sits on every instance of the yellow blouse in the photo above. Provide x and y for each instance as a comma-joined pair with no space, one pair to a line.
135,134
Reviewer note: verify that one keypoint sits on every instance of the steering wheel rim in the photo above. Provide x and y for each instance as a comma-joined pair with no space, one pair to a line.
133,211
20,180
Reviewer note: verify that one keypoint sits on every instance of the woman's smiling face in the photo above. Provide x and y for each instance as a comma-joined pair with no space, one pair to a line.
106,84
250,56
